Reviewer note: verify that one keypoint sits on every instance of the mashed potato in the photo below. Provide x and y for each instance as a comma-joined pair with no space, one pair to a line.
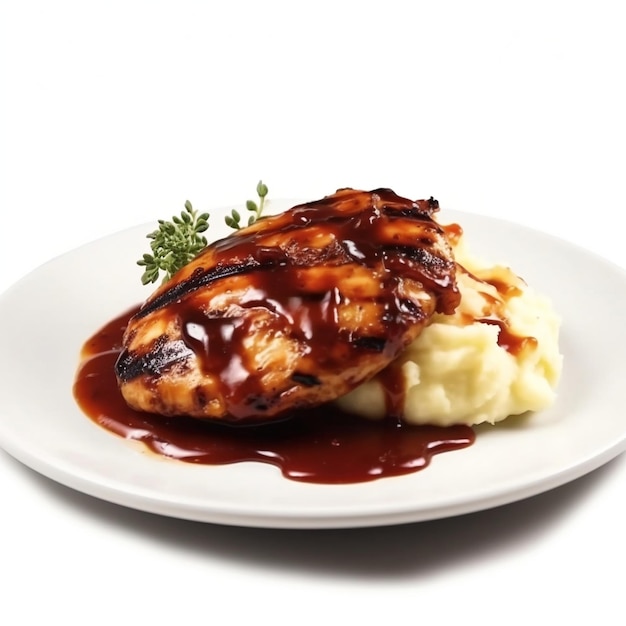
497,356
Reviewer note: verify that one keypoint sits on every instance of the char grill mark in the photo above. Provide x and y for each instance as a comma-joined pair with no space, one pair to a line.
308,380
374,344
159,359
197,280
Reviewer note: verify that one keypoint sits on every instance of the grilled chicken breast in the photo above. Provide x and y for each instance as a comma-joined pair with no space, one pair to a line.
291,312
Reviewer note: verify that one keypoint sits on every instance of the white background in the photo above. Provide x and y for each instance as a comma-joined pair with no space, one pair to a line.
114,113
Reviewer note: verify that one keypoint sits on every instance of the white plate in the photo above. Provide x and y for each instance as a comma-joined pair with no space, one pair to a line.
47,316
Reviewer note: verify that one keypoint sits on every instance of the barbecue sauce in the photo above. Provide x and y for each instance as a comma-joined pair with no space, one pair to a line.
321,445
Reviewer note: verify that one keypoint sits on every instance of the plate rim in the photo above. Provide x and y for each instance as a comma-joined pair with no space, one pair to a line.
321,519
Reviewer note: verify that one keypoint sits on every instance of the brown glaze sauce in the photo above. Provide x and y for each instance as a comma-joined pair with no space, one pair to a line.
494,310
322,445
512,343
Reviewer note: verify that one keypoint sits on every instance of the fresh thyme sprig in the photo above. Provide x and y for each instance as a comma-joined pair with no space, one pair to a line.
174,244
234,219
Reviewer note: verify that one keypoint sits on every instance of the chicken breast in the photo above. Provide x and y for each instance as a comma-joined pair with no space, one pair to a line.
291,312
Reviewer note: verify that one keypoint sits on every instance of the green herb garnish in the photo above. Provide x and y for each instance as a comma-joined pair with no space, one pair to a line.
233,220
176,243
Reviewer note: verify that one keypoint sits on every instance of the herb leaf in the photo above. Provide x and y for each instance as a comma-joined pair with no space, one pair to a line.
174,244
179,241
256,209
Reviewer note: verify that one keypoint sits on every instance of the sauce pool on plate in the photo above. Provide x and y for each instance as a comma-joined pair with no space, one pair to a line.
323,445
